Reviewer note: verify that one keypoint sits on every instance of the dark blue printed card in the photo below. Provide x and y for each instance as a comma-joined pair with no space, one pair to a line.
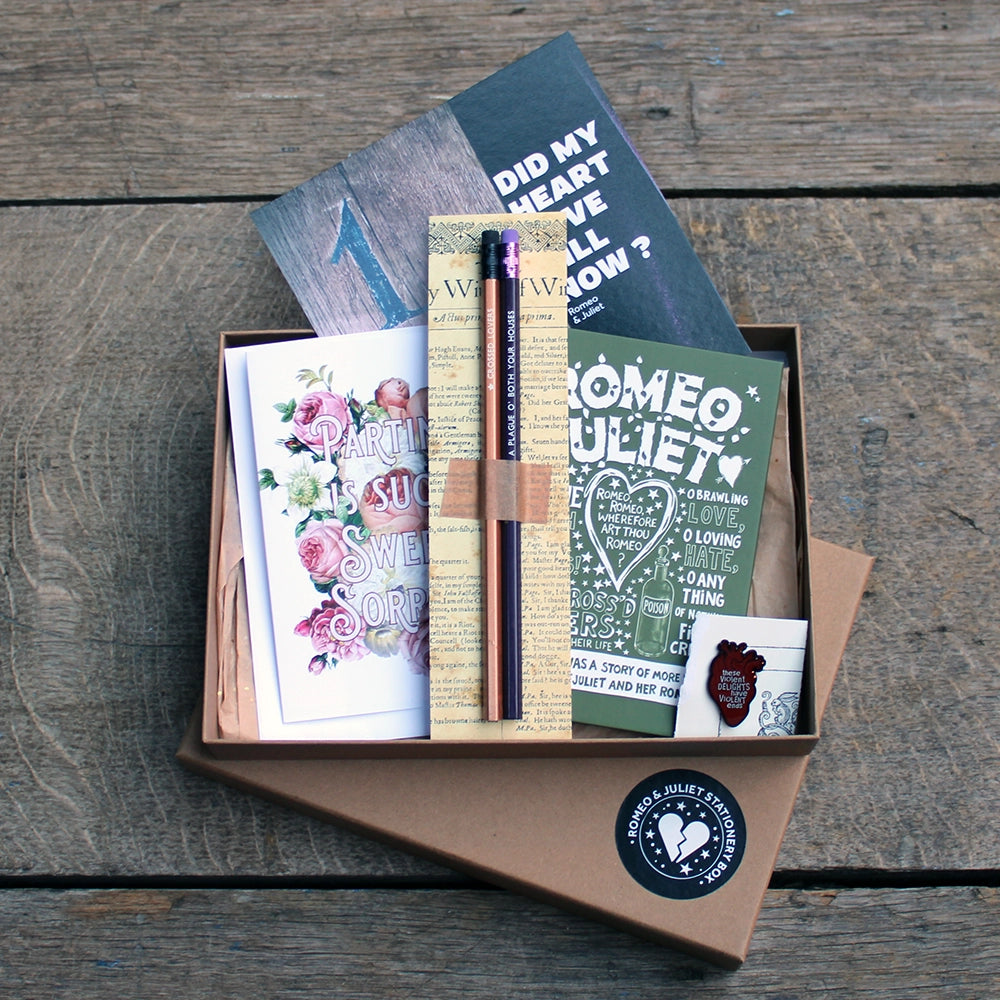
536,136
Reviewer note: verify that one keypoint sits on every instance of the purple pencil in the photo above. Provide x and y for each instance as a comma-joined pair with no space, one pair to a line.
510,449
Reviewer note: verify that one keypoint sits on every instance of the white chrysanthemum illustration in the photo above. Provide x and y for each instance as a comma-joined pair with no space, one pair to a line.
307,483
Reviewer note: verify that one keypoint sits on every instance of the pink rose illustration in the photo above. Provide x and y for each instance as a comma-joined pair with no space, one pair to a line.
392,395
321,419
416,646
416,405
334,629
390,503
321,549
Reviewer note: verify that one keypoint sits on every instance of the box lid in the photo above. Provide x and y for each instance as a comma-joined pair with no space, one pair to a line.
569,830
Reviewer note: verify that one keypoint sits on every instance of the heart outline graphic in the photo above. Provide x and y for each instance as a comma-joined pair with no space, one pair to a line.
597,537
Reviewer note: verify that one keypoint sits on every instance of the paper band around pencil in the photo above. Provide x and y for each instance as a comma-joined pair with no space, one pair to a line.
497,490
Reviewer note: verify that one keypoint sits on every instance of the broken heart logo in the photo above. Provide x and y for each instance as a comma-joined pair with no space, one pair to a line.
680,838
626,520
680,834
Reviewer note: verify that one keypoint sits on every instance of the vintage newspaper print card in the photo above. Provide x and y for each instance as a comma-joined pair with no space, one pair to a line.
743,677
455,379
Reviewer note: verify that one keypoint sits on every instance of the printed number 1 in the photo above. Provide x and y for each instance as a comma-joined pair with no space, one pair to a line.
352,240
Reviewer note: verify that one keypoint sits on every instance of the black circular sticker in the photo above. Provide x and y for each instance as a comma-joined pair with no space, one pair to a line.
680,834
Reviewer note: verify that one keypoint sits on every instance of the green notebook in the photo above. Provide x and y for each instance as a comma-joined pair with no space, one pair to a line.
669,451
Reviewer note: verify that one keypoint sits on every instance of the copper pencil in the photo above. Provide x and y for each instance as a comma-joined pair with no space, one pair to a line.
492,567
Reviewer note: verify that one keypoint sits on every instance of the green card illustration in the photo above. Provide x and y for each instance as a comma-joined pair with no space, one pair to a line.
669,451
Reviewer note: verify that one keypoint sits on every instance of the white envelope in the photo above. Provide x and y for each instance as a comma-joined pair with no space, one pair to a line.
386,725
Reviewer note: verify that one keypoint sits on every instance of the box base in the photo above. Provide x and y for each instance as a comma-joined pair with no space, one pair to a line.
779,338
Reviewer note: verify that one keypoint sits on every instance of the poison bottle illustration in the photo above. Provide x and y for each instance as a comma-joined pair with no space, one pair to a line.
656,605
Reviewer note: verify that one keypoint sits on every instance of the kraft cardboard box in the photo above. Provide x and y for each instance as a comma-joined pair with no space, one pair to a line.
715,810
533,825
224,619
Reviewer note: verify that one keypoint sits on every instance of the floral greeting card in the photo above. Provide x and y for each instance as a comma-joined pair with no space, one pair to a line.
339,436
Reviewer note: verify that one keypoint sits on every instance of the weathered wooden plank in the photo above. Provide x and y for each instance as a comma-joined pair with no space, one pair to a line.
109,319
110,337
148,99
153,943
901,342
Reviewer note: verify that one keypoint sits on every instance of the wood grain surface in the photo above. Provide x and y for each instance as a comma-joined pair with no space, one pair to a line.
150,99
110,320
136,138
939,943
